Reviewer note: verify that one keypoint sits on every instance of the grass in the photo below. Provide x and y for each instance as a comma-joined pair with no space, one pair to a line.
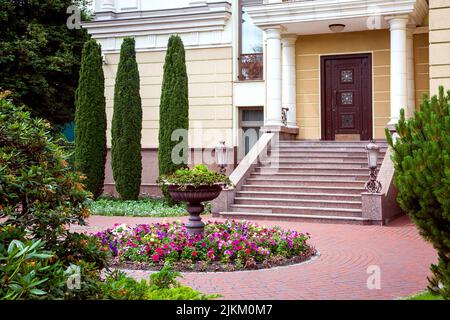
425,295
144,207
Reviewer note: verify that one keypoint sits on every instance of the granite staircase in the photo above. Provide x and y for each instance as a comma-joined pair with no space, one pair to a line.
318,181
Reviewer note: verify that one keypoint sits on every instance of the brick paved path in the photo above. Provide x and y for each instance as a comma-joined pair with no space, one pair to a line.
340,272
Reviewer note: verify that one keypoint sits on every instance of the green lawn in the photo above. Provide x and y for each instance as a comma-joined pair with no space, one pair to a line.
426,295
144,207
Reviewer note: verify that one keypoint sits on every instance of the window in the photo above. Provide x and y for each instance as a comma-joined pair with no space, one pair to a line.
251,47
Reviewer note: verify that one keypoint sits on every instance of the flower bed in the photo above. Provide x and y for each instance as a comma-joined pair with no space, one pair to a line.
229,246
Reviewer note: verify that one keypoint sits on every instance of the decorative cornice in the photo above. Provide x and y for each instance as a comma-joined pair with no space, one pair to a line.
320,10
205,17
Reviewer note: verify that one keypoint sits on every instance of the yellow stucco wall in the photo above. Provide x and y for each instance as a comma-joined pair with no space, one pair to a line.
210,94
308,52
421,67
439,24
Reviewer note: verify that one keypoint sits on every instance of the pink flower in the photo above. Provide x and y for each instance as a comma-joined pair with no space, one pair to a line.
155,257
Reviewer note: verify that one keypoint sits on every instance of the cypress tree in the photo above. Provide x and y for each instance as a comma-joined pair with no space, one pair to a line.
127,125
173,109
90,119
422,161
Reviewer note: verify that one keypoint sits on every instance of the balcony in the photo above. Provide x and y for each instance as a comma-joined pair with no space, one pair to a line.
251,66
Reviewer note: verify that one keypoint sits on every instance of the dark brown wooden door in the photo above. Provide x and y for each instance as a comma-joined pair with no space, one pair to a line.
346,97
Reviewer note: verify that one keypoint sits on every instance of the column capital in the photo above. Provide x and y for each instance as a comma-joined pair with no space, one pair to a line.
289,39
273,32
397,22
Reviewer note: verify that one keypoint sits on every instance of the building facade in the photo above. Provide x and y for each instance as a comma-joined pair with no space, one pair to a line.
309,69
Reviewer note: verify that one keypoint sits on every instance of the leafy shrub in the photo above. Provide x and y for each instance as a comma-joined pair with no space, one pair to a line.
118,286
197,176
422,175
162,286
27,273
90,119
173,109
127,125
38,189
40,196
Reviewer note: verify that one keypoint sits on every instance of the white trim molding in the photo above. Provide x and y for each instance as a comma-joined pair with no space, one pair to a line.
277,13
202,24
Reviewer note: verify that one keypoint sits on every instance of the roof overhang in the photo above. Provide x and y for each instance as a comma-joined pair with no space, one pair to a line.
293,16
203,17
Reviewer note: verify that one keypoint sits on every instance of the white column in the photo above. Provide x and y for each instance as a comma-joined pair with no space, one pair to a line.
409,111
399,87
288,83
273,77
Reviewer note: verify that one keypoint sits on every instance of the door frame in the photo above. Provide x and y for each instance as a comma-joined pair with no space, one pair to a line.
367,107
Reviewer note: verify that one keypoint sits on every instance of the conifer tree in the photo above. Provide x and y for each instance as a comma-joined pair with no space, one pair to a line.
126,128
422,175
90,119
173,110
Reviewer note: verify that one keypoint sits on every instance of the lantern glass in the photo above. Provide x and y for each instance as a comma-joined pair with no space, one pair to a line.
221,154
372,158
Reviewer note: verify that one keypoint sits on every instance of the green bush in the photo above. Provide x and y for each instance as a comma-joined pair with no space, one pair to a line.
25,271
422,175
40,196
173,110
38,190
127,125
162,286
90,119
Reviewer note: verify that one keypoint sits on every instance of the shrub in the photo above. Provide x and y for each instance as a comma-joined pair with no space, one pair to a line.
25,271
90,119
38,190
40,196
173,110
127,125
162,286
422,175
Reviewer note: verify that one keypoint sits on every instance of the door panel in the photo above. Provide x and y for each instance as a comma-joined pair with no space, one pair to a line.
346,97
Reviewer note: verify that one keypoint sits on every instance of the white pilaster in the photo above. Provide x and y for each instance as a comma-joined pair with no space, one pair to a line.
409,112
108,5
289,99
273,77
399,85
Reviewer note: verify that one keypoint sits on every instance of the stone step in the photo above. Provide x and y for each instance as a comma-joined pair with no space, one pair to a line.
311,176
305,182
324,149
320,143
298,202
304,189
293,217
319,154
323,160
312,170
332,211
300,195
316,165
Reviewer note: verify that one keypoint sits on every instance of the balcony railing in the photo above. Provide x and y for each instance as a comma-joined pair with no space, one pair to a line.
251,66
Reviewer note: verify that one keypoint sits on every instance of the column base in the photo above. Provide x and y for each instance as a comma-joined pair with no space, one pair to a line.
285,133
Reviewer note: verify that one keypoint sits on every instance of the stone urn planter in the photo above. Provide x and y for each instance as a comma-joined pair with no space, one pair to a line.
194,196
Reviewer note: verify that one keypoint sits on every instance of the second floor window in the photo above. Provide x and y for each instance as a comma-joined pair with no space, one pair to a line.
251,48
